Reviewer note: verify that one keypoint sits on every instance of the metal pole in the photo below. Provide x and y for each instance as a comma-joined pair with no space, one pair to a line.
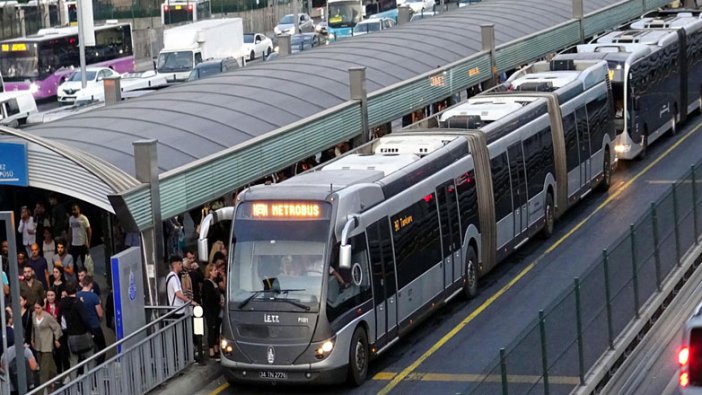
578,14
694,203
8,217
579,329
297,16
635,270
81,46
544,357
487,33
656,252
610,330
676,227
357,83
503,371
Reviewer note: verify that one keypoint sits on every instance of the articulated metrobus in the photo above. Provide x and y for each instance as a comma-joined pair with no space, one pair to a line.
329,268
656,77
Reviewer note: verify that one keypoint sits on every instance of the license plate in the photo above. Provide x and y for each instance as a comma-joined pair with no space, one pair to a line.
273,375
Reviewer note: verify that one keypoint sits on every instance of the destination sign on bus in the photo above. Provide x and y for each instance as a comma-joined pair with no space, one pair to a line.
273,210
14,47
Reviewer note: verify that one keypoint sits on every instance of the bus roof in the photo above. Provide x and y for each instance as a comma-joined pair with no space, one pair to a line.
658,37
50,33
682,20
488,108
619,53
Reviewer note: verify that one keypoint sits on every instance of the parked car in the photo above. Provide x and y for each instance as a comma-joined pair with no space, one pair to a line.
373,25
287,24
15,107
322,28
304,41
419,5
422,15
212,67
257,45
71,90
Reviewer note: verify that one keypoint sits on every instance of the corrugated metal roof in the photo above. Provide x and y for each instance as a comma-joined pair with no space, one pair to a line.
200,118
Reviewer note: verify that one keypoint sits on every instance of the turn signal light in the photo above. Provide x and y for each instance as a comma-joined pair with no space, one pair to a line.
683,356
684,379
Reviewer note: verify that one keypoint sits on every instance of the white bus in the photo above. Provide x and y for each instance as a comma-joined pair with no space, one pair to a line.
329,268
179,11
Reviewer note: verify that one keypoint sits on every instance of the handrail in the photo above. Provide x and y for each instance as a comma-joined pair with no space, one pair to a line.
84,363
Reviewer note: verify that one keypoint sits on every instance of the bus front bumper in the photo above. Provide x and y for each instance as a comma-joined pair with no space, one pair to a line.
290,374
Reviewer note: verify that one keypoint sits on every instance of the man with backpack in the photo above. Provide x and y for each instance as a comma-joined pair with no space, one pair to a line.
75,323
9,361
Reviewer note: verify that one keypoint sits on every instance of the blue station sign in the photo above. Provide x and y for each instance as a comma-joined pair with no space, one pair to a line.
13,164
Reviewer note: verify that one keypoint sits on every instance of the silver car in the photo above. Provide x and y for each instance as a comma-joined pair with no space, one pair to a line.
287,24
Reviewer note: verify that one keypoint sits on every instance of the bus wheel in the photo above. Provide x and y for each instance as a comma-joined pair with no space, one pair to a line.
470,286
358,357
606,173
549,217
644,148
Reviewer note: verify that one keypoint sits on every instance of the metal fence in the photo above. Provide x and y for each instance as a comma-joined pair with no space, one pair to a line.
564,342
143,360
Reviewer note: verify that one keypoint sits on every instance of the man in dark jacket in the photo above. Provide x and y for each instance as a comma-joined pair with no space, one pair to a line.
77,320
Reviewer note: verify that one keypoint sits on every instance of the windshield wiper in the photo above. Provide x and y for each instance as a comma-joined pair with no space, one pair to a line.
247,300
276,291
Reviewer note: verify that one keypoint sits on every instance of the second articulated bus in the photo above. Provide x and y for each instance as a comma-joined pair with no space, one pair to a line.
329,268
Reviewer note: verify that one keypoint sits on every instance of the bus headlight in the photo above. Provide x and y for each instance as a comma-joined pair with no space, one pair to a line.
33,88
621,148
227,346
325,349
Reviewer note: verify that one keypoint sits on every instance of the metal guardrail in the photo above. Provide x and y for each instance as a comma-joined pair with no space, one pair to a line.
616,287
144,360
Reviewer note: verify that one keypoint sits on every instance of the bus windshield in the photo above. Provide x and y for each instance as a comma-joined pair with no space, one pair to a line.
19,65
175,61
344,14
278,259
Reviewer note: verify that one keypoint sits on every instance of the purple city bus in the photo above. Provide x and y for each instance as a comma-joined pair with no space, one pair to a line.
41,62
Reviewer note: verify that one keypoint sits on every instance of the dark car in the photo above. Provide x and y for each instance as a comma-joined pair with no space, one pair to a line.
212,67
304,41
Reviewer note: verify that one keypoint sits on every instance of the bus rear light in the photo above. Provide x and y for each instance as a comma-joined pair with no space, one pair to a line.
165,7
683,356
190,7
684,379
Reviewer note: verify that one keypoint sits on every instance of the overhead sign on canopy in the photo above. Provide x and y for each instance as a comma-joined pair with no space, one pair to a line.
13,164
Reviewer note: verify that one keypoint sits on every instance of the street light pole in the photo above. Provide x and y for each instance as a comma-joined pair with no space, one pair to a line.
81,45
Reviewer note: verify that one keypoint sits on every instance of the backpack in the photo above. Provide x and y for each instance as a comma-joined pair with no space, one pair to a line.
13,374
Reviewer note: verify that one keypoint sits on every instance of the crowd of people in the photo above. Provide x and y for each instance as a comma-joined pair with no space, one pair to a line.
61,309
187,284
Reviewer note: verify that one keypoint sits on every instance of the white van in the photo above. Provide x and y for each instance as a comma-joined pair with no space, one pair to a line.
15,107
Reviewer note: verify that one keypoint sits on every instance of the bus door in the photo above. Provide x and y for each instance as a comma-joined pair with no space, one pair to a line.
584,144
384,284
450,230
519,190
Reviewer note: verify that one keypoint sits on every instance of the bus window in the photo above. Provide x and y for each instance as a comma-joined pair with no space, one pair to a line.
347,288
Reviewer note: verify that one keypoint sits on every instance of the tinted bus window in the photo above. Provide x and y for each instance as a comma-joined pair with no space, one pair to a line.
467,200
571,142
416,236
500,186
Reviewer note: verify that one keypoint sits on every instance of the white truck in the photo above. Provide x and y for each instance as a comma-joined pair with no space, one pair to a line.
186,46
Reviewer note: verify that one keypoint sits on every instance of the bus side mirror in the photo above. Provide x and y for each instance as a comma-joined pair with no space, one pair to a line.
345,248
345,256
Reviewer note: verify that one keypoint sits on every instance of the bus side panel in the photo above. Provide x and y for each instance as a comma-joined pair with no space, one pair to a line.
694,70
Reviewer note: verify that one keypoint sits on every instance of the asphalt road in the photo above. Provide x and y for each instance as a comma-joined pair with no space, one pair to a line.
451,351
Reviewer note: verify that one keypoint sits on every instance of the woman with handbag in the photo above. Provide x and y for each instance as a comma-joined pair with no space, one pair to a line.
212,302
47,333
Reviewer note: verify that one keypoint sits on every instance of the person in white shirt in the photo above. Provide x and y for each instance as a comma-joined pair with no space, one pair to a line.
176,297
79,236
28,229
